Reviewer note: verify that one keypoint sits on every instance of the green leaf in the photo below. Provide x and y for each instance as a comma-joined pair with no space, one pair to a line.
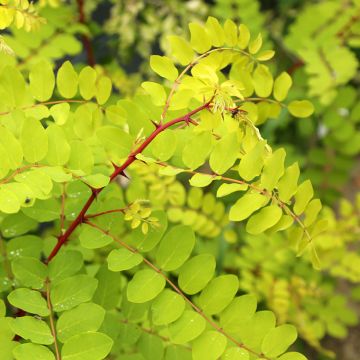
17,224
292,356
236,353
145,286
29,300
200,39
65,264
196,273
227,189
303,195
224,153
181,49
9,202
252,162
72,291
89,346
278,340
254,330
282,86
116,114
218,294
240,310
29,271
301,108
231,33
83,318
197,150
67,80
263,81
59,148
202,180
96,181
151,347
34,140
123,259
92,238
30,351
42,80
28,245
246,205
287,185
12,149
2,308
30,328
209,345
108,291
110,137
255,45
81,157
60,113
156,91
44,210
264,219
273,169
175,247
167,308
215,31
103,89
244,36
87,82
188,327
164,67
164,145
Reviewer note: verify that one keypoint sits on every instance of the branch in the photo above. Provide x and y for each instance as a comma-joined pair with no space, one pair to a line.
211,322
51,316
119,170
86,41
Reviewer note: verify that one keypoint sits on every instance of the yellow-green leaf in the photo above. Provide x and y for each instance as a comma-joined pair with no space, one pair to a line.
200,39
301,108
282,86
164,67
67,80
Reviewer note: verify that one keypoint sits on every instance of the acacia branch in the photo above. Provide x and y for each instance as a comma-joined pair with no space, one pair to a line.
51,316
120,170
209,320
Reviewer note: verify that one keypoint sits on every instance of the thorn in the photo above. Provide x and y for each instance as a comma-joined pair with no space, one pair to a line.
114,165
124,175
155,124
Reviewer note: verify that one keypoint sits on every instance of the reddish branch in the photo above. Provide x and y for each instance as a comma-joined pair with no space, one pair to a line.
119,170
85,39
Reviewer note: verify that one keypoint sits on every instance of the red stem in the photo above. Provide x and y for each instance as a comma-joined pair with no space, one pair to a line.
85,39
119,170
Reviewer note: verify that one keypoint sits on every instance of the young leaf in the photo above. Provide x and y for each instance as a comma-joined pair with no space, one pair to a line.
252,162
282,86
301,108
231,33
67,80
156,91
34,140
263,81
164,67
287,185
224,153
42,80
244,36
181,49
65,264
264,219
255,45
246,205
59,148
87,82
227,189
302,197
200,39
215,31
